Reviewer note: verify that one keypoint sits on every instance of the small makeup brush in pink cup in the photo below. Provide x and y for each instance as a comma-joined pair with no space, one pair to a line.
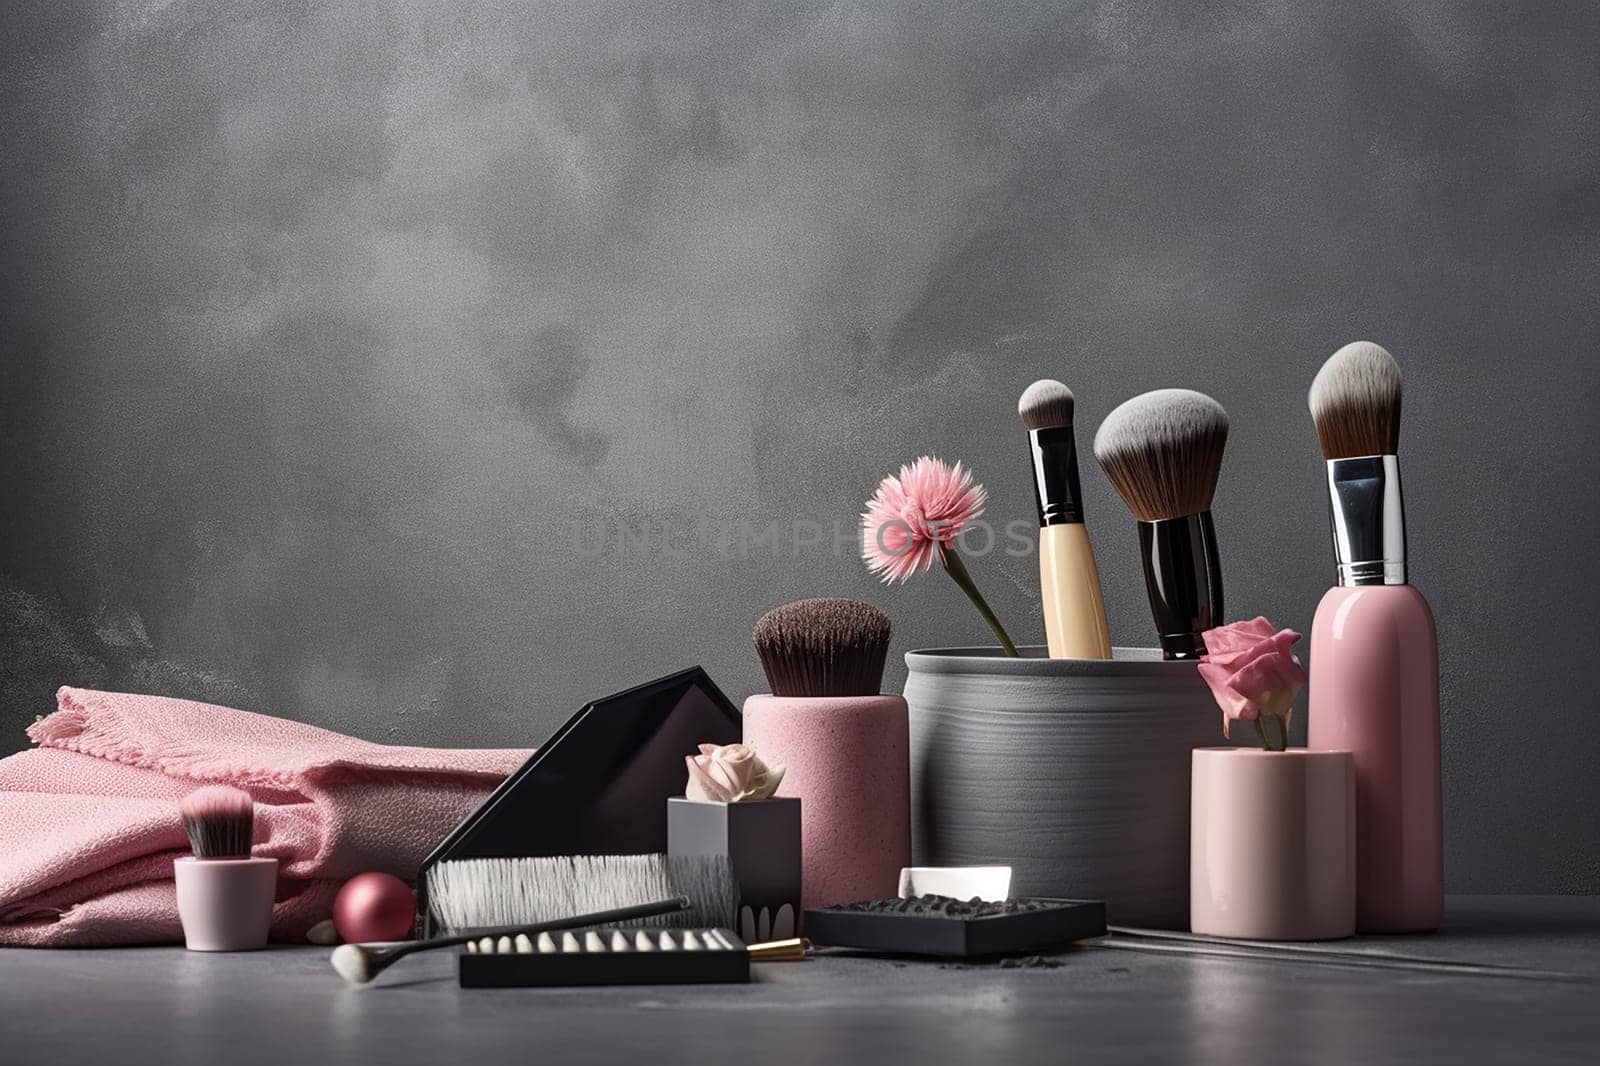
224,894
844,745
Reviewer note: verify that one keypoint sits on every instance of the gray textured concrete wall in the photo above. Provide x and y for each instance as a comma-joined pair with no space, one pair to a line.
335,334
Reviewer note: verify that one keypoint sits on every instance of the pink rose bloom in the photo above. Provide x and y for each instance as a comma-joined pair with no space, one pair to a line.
1252,672
730,773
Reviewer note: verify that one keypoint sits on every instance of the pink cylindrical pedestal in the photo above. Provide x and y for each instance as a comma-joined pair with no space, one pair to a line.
1272,844
225,904
848,760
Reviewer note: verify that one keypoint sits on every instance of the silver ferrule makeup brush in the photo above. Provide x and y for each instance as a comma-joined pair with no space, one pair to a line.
1369,523
1355,404
1375,650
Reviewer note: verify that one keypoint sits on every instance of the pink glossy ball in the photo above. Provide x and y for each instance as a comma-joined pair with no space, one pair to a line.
374,907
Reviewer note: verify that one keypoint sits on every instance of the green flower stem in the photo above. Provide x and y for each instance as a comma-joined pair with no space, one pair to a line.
958,573
1283,729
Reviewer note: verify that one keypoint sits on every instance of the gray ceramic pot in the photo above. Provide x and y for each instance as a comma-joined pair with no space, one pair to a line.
1075,772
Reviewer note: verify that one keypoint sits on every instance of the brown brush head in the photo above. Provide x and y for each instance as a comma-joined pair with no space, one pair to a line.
1355,402
1045,404
1163,451
219,821
823,647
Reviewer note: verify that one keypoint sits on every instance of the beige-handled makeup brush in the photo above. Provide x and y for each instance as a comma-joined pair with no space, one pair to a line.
1163,451
1069,583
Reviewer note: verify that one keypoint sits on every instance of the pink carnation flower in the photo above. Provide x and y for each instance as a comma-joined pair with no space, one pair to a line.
913,519
912,522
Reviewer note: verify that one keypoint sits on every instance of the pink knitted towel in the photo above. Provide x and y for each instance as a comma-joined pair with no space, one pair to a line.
89,820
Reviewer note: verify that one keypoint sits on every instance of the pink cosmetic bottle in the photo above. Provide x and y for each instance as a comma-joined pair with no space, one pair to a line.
1375,693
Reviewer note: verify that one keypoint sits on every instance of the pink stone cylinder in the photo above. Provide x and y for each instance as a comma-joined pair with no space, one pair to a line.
1272,844
1375,693
848,760
225,904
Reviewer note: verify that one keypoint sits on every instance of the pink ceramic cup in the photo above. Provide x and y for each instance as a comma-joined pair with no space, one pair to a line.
225,904
848,758
1272,844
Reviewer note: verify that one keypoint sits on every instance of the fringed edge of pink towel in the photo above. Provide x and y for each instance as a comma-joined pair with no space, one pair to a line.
77,725
88,724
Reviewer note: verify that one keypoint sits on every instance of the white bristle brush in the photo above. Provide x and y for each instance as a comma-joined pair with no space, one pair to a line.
467,893
1163,451
1355,402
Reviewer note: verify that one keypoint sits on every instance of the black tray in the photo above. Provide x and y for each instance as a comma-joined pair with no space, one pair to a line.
1000,934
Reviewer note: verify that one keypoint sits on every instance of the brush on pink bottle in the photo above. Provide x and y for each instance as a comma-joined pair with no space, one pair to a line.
225,895
1374,650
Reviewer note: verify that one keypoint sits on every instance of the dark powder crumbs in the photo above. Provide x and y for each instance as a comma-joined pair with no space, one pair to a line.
947,907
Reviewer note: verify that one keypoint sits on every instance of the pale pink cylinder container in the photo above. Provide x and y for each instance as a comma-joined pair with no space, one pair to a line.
225,904
848,760
1375,693
1272,844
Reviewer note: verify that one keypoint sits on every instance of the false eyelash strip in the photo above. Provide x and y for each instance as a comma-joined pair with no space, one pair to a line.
601,941
606,957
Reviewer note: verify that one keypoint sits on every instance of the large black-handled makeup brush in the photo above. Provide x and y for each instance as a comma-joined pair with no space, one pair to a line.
1163,451
359,963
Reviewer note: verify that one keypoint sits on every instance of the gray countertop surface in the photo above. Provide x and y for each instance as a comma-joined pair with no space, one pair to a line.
1096,1003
